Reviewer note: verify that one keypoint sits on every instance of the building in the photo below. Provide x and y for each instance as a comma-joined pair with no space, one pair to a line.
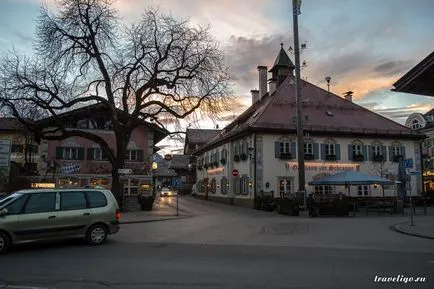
257,152
419,80
77,161
24,153
195,138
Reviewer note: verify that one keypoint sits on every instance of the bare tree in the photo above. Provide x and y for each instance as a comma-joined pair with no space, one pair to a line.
157,68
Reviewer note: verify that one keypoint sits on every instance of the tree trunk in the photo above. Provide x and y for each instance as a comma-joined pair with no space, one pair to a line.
119,163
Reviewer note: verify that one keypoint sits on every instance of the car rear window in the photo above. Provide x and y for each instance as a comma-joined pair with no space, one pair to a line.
96,199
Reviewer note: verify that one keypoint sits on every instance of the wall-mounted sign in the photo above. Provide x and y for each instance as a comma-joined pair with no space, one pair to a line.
323,167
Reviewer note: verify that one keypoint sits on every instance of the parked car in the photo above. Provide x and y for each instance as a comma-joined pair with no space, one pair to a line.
43,214
166,192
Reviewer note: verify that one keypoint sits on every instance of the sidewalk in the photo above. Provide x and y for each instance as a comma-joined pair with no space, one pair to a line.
161,211
421,228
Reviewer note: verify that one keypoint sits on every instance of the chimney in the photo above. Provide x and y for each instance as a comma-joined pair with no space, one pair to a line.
272,85
348,95
255,95
262,80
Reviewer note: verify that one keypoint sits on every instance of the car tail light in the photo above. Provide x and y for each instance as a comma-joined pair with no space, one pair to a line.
118,215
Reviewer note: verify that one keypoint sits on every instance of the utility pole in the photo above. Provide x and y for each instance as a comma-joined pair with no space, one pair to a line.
300,141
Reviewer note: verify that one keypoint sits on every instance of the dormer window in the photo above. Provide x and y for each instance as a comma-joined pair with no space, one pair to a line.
415,124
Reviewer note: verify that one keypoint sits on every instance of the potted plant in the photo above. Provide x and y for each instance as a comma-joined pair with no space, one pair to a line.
331,157
223,161
358,157
309,157
236,158
378,158
285,156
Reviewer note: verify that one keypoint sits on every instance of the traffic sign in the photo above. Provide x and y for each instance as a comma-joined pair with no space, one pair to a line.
408,163
168,157
235,172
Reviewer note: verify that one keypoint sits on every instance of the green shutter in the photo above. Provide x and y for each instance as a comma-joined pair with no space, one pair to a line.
316,151
277,149
140,155
59,153
323,151
90,154
81,153
338,151
350,152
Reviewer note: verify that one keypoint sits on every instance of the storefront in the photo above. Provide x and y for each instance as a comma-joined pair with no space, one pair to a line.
428,181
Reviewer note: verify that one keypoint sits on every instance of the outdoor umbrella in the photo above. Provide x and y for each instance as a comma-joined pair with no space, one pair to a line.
348,178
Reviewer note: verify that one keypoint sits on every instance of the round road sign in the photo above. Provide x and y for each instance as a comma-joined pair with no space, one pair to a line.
235,172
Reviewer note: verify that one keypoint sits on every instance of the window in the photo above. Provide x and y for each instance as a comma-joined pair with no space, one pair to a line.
330,149
308,148
324,190
284,186
285,147
33,148
244,185
376,149
224,186
357,149
96,199
131,155
40,203
16,206
362,190
70,153
72,201
415,124
17,148
99,155
396,150
236,149
131,187
213,186
236,185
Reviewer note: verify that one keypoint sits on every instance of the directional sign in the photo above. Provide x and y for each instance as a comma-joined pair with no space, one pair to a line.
235,172
125,171
176,182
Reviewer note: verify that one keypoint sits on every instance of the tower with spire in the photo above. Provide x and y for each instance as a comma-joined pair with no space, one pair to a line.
282,67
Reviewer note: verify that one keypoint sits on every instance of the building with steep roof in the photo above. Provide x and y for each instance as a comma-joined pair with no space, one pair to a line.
257,153
195,138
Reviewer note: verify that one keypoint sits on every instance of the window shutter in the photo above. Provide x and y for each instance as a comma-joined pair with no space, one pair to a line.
365,152
390,154
350,152
338,151
403,152
104,154
217,159
59,153
294,150
323,151
277,149
140,155
316,151
370,153
80,153
90,154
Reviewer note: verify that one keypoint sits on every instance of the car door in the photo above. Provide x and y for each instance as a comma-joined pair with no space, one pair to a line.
74,215
37,220
10,221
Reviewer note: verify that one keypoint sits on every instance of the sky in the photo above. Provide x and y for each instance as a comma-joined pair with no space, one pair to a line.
364,46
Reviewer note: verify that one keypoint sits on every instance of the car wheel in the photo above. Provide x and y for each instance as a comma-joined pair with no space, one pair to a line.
5,243
96,234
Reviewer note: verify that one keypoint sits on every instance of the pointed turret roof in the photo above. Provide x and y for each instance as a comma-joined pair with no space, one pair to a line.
282,60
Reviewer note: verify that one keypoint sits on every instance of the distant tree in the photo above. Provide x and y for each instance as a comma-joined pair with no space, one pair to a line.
157,68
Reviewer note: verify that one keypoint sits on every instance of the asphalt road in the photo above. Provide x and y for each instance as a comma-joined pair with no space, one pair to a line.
227,247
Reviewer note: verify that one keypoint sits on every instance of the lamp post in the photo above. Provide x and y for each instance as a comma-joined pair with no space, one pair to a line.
300,142
154,169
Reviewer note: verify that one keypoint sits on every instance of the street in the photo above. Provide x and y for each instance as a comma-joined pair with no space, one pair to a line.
230,247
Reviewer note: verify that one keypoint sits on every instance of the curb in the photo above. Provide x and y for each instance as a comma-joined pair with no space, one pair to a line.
397,229
154,220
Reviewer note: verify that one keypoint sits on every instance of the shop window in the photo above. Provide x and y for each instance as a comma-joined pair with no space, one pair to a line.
213,186
284,185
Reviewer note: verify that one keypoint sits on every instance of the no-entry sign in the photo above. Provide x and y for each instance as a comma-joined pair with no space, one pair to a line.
235,172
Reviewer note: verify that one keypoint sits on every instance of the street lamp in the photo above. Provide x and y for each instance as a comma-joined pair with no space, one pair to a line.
154,169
